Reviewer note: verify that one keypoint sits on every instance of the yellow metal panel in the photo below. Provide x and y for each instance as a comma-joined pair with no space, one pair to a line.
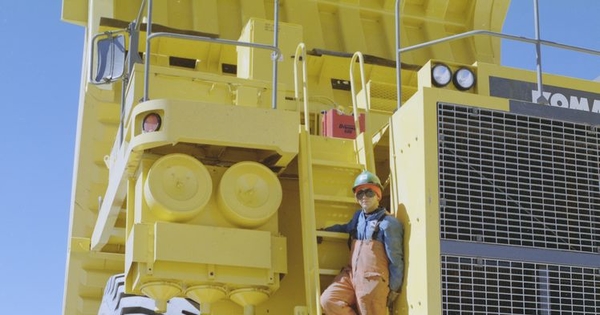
173,83
337,149
291,292
75,11
137,245
79,245
235,126
247,96
416,173
332,37
377,29
350,26
128,10
304,13
256,63
331,257
180,14
279,250
192,244
160,15
414,147
85,304
253,9
206,17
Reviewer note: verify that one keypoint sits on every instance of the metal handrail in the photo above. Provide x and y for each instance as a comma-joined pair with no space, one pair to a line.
361,62
139,16
502,35
367,142
276,51
310,260
537,41
300,55
275,56
398,58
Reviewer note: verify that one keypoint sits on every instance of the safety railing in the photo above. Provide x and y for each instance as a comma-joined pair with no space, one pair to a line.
366,142
276,53
300,57
537,41
361,63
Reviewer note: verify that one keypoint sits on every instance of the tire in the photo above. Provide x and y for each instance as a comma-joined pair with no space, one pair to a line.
116,302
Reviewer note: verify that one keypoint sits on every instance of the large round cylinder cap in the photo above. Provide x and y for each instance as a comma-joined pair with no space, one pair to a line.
178,187
249,194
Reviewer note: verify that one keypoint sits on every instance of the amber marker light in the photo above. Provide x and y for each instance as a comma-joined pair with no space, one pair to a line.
151,123
441,75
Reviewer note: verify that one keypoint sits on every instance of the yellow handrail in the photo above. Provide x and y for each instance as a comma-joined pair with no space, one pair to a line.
361,62
367,141
311,262
300,56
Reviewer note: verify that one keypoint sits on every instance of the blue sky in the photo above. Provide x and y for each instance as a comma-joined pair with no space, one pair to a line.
40,71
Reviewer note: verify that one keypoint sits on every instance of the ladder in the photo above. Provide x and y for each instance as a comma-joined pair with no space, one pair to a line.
327,169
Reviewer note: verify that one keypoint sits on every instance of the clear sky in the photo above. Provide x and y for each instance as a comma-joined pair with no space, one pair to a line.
40,71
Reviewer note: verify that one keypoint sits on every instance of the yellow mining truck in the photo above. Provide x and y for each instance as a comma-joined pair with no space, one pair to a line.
216,137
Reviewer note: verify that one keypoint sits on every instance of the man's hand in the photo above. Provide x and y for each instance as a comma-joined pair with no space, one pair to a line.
391,298
320,238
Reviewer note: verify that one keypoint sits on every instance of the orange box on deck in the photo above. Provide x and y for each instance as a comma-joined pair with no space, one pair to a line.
339,125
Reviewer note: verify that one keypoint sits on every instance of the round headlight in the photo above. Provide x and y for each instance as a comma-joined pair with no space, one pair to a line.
464,79
151,123
441,75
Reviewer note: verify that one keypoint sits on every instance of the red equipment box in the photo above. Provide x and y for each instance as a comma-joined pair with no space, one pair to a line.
339,125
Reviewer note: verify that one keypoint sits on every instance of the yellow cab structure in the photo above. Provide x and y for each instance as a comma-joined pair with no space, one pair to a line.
215,137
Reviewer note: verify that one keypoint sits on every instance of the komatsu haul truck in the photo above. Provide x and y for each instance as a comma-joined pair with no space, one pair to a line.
216,137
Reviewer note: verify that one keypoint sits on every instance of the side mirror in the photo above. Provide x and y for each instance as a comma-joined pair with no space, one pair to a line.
109,52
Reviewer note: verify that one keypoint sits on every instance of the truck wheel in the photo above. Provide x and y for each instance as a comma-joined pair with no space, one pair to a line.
116,302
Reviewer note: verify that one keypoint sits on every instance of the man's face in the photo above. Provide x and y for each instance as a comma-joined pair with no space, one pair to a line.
367,199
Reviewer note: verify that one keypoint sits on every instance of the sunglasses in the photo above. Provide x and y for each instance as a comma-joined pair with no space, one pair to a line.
365,192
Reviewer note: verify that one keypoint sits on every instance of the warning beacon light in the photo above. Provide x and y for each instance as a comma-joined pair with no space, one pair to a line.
151,123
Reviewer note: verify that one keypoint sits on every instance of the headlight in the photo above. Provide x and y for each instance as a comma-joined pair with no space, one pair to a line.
151,123
441,75
464,79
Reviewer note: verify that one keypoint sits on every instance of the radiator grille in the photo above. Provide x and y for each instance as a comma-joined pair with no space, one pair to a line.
487,286
518,180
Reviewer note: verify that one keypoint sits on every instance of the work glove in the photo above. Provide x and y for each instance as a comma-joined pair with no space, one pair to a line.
391,298
320,238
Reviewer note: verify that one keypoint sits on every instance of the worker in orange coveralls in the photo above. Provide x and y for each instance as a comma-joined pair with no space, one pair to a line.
373,278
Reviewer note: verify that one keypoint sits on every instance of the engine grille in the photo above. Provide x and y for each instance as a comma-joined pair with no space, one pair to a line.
487,286
524,183
518,180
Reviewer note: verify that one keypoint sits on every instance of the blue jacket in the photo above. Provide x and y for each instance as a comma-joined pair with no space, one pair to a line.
390,234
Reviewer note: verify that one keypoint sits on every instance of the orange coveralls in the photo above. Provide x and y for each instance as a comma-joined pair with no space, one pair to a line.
376,265
365,278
